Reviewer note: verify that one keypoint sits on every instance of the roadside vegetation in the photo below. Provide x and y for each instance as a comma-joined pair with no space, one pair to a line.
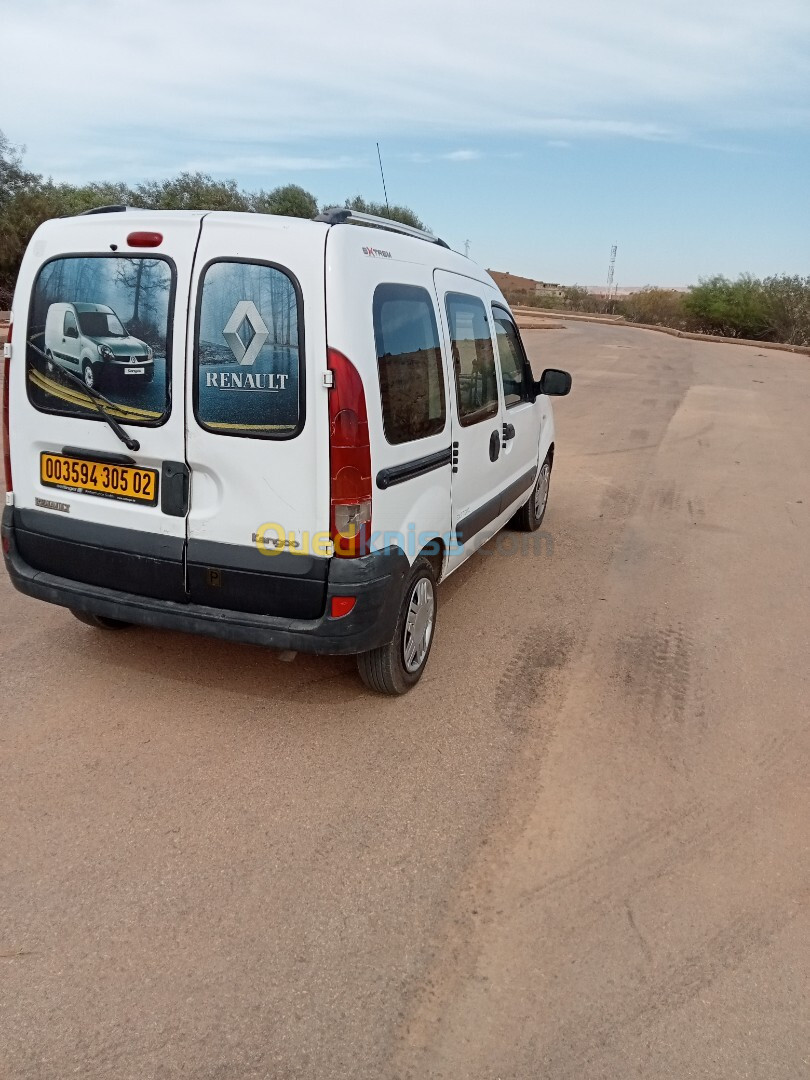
775,309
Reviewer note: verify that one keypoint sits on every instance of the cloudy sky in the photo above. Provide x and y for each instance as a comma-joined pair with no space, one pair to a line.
541,132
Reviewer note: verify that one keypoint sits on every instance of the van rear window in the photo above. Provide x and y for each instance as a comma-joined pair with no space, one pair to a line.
249,351
101,322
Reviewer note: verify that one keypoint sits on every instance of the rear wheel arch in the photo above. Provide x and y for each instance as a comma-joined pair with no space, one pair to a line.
434,551
393,668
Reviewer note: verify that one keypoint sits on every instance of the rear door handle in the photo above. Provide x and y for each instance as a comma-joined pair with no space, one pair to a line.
174,482
494,446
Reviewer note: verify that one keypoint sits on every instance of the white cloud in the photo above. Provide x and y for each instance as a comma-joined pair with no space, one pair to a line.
248,81
419,157
271,163
462,155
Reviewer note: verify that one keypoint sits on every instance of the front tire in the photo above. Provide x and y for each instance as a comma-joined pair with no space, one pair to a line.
90,375
530,516
396,667
100,622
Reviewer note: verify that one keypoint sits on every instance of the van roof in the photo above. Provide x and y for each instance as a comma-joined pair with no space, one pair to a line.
409,247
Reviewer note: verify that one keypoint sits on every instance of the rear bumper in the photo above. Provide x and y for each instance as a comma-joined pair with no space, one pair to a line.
377,580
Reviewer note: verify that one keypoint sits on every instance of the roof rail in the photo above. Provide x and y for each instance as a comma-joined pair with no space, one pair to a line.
102,210
337,215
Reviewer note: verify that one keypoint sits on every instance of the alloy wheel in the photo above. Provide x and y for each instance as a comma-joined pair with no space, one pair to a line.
418,625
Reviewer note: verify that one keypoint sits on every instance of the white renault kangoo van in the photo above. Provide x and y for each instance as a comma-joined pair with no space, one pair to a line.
90,339
328,419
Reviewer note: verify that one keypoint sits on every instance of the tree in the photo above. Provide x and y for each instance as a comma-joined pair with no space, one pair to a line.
189,191
659,307
13,178
291,200
403,214
145,280
15,230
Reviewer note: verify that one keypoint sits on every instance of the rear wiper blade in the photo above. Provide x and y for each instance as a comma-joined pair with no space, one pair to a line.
98,400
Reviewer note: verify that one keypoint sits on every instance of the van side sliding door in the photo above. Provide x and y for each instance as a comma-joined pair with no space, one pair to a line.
477,407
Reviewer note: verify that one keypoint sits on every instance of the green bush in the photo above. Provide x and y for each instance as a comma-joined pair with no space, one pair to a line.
788,300
771,309
731,308
656,307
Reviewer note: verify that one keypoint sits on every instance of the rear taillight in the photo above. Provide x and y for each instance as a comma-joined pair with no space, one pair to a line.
349,459
6,377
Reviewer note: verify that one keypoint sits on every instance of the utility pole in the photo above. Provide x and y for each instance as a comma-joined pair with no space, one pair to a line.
611,270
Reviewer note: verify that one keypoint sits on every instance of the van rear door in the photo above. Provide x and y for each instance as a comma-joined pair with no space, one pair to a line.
257,440
103,313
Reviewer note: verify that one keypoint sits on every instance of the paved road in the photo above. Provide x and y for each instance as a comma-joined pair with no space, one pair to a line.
579,849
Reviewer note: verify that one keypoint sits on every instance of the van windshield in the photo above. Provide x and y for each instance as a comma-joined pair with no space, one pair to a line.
100,324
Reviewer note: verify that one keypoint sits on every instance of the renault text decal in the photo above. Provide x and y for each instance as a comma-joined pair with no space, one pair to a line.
237,380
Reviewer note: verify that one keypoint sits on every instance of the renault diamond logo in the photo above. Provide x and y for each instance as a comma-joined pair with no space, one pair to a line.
246,352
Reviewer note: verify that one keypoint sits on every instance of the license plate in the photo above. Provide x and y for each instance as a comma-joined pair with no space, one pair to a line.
123,482
133,371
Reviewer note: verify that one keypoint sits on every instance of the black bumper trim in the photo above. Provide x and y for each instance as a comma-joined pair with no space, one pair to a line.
377,580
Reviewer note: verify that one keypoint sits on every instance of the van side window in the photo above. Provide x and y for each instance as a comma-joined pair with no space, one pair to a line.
70,328
248,351
409,361
473,358
511,356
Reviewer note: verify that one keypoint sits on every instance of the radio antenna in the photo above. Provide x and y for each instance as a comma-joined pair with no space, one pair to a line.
382,174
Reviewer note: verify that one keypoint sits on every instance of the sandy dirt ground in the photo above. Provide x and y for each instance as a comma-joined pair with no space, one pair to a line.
578,849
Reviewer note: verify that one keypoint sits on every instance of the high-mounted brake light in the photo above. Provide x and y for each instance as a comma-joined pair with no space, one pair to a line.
6,378
349,459
145,239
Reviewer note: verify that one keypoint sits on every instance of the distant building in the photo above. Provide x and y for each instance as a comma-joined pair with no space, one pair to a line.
516,288
549,288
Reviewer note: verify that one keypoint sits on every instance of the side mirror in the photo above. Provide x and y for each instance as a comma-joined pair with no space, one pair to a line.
72,332
554,383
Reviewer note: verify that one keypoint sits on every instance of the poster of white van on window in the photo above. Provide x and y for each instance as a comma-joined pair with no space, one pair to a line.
248,351
100,324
